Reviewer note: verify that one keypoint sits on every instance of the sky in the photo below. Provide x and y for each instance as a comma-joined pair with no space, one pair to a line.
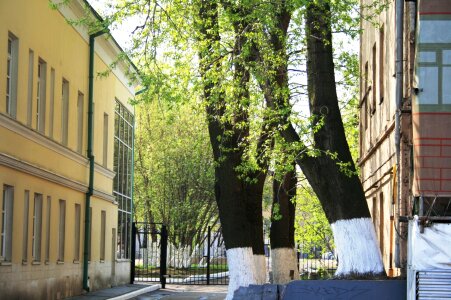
121,33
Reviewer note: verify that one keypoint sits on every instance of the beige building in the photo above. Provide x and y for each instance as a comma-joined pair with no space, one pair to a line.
424,107
54,158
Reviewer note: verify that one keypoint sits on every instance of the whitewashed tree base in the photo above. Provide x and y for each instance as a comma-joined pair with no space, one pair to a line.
357,247
241,269
283,263
260,268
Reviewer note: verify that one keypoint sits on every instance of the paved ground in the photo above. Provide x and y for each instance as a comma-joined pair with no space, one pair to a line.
186,292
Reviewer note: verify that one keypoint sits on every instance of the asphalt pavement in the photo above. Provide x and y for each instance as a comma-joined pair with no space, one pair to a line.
186,292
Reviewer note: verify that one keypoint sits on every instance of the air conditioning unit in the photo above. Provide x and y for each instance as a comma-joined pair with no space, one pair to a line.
429,259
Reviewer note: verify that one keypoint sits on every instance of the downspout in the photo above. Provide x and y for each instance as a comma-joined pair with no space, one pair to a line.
90,155
399,95
132,279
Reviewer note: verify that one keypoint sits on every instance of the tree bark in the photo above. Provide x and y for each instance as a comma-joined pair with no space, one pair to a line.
283,255
332,172
239,200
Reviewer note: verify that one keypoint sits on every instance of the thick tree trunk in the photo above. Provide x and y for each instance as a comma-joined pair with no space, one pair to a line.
338,189
332,173
284,263
239,200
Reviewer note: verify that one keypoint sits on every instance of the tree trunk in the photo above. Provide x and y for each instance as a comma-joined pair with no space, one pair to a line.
283,256
338,189
254,211
332,172
239,200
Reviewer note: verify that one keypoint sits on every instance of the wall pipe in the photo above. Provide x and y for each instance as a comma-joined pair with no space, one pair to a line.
90,155
399,95
132,239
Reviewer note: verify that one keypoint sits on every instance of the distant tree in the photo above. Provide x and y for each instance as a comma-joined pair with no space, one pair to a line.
174,170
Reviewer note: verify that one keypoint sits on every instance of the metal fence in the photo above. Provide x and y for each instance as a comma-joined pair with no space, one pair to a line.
159,259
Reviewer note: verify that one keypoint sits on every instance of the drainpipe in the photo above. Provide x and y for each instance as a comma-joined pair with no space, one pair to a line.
132,279
90,155
399,95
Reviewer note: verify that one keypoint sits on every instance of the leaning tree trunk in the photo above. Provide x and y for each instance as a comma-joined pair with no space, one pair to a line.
284,263
332,173
338,188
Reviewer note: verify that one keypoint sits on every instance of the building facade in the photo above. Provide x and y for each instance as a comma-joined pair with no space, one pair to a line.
405,163
51,154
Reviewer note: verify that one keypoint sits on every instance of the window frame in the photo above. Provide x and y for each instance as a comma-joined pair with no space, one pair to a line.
61,230
12,75
6,216
37,227
41,94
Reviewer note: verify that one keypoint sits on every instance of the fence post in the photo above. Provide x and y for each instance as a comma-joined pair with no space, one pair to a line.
133,254
208,254
163,255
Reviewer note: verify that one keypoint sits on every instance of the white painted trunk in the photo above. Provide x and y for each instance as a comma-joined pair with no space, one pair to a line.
241,269
357,247
284,265
260,268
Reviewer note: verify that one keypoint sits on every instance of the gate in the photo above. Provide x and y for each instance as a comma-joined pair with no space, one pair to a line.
149,253
158,258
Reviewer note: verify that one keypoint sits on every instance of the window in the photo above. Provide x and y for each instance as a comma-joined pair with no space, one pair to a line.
80,122
77,232
62,230
47,236
102,234
374,78
122,164
366,91
37,227
40,96
30,87
374,212
11,75
26,208
381,64
6,223
52,101
64,112
364,109
434,72
105,140
381,222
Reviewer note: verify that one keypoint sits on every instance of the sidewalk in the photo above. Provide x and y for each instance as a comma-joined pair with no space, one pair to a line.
186,292
118,292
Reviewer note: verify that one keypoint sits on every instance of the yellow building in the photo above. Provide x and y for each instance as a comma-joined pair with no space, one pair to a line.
46,164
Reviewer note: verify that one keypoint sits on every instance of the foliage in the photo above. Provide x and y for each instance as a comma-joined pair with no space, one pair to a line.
311,226
166,43
174,174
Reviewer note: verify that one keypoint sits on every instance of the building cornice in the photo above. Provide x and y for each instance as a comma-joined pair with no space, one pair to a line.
16,164
107,48
25,167
104,171
104,196
36,137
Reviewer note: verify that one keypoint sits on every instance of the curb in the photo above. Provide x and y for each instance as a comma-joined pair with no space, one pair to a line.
138,292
